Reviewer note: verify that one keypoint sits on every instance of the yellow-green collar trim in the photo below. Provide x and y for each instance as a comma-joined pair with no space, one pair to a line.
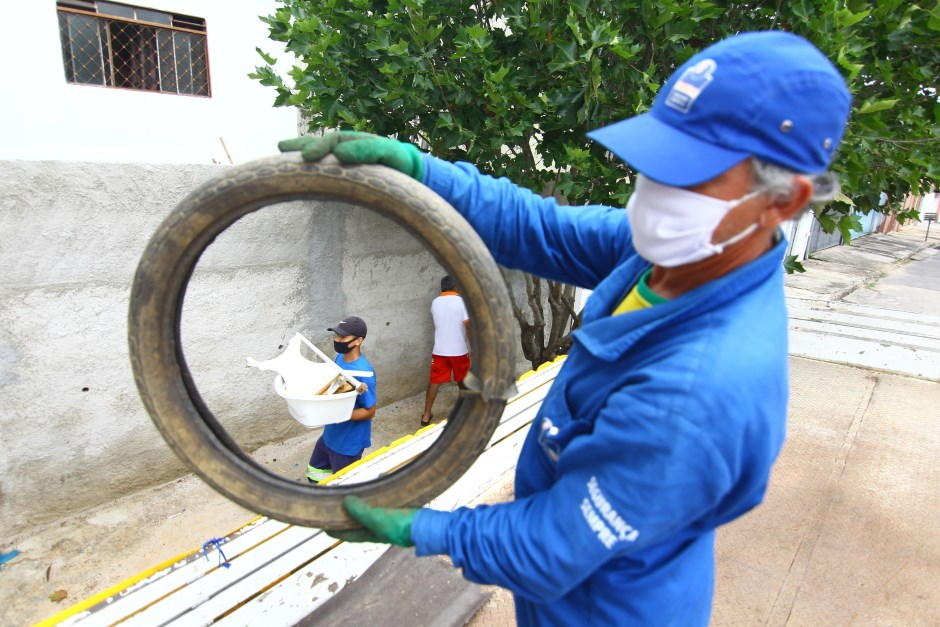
646,293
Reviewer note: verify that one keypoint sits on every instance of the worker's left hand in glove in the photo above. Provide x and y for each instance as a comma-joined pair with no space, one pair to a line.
383,525
358,148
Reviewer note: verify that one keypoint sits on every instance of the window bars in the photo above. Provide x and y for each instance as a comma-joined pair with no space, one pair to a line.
115,45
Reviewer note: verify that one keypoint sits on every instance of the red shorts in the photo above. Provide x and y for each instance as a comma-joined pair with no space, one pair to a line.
442,367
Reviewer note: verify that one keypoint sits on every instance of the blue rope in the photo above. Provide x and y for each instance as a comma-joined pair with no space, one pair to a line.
217,543
6,557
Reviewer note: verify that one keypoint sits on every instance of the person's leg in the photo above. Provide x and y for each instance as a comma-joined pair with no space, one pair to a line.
338,461
319,467
440,373
461,365
429,397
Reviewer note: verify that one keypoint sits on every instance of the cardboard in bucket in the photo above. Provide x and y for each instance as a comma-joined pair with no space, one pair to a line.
317,393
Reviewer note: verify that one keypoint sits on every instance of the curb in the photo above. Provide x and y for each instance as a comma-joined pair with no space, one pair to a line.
873,274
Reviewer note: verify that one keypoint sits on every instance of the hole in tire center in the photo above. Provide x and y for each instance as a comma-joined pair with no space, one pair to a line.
288,268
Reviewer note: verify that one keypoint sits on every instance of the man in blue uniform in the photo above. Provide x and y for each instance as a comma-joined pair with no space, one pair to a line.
671,406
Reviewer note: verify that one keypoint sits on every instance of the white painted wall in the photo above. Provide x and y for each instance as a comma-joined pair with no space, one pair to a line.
798,232
929,204
43,117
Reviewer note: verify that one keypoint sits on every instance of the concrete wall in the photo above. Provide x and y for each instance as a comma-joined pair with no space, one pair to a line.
73,431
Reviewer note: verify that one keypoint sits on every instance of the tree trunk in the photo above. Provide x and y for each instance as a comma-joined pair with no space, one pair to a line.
543,338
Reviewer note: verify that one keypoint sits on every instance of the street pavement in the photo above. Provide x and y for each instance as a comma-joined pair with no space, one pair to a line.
873,304
847,533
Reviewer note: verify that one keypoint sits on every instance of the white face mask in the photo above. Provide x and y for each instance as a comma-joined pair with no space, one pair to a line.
674,226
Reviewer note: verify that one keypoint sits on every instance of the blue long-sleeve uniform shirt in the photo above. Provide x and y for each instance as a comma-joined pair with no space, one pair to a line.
353,436
662,424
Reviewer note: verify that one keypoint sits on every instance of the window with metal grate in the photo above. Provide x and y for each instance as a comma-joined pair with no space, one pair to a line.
118,45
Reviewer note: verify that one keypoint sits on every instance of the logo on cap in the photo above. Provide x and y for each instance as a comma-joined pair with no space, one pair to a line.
690,85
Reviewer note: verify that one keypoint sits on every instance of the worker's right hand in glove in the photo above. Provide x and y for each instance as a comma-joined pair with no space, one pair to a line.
381,524
354,147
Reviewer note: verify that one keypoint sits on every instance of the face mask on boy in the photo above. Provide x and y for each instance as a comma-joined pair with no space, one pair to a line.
343,347
673,226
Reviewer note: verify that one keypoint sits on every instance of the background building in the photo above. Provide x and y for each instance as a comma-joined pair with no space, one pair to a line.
161,83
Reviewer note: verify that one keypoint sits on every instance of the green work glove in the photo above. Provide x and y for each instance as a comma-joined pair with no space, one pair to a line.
355,147
382,524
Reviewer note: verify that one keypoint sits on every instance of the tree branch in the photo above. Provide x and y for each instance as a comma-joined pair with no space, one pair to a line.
906,141
773,22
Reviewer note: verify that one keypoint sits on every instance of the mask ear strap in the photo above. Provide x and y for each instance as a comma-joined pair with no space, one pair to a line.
737,238
743,199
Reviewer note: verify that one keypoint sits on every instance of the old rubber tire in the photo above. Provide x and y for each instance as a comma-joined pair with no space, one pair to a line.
195,435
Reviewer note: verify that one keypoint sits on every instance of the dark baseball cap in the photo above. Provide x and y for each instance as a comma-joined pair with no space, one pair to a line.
350,325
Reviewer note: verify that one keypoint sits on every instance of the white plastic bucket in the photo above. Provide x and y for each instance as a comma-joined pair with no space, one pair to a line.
316,410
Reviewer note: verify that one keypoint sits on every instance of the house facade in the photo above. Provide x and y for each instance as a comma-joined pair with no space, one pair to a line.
162,83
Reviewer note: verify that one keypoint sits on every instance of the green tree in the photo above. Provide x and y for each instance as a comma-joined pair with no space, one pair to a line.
513,86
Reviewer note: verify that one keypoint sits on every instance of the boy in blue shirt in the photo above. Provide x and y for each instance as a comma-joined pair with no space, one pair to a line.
342,443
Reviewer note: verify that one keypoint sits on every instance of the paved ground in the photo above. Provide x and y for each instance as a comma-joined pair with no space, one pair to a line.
874,304
847,534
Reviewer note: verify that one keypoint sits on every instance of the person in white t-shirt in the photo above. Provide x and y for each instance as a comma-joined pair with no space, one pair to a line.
450,357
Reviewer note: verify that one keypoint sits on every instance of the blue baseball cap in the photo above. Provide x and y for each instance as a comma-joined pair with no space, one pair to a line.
771,95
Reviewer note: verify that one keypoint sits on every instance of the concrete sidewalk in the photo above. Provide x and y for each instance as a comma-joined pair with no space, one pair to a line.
874,304
847,533
84,554
833,273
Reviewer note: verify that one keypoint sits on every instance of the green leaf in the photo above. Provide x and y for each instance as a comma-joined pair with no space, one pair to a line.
826,221
933,22
853,68
399,49
877,105
802,9
267,58
846,18
849,224
498,75
576,154
298,99
840,197
574,26
791,265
